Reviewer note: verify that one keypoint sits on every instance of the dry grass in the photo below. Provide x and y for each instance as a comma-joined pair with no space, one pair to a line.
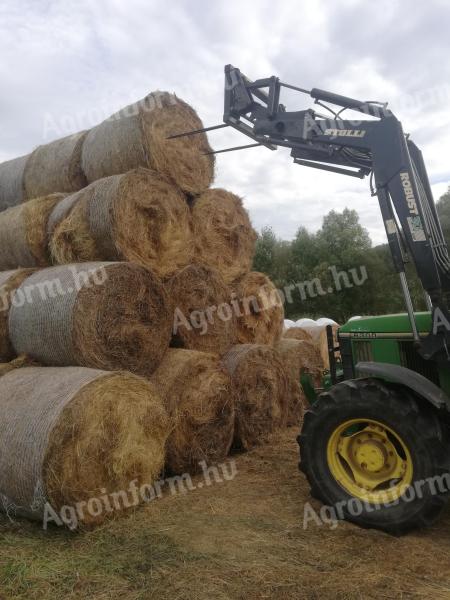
261,310
241,539
195,292
224,236
261,387
198,395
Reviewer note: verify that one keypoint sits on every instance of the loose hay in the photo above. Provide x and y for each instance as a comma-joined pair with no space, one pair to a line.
71,435
224,236
12,190
261,387
102,315
138,217
55,167
261,318
23,233
9,282
297,333
198,396
299,355
137,135
203,316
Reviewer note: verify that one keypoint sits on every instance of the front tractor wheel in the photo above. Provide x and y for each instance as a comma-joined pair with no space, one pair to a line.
375,455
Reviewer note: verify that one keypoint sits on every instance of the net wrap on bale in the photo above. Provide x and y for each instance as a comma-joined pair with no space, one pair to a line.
74,435
199,398
138,216
224,236
261,388
12,190
23,233
9,282
136,136
55,167
103,315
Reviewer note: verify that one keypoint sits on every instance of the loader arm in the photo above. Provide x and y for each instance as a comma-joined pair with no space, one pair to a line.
375,146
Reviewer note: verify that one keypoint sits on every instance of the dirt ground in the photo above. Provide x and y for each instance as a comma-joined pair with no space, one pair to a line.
242,538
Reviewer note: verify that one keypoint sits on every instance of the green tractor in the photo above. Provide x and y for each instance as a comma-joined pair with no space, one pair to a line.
375,443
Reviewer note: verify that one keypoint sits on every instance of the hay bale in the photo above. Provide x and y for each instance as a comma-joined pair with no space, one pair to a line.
319,337
198,396
9,282
71,435
297,333
23,233
261,388
224,236
261,312
12,191
102,315
138,217
136,136
299,356
55,167
203,318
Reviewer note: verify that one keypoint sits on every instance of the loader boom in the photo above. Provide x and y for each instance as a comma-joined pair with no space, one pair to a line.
376,146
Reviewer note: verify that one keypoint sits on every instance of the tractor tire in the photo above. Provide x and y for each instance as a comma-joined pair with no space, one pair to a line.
389,428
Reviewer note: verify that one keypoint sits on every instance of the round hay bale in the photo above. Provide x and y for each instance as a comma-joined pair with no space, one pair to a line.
138,217
136,136
102,315
77,438
23,233
224,236
297,333
12,191
203,318
198,396
9,282
261,313
261,388
319,337
55,167
299,355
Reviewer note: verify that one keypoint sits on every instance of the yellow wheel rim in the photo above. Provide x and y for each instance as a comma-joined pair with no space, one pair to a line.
370,461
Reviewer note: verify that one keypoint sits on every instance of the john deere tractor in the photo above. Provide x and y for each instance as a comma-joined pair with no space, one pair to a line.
375,444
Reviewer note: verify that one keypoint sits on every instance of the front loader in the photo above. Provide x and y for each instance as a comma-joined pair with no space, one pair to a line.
375,443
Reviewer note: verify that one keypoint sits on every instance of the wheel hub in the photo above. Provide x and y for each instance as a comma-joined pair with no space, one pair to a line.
369,460
371,456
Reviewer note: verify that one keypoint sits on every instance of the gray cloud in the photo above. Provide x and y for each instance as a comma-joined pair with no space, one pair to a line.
66,65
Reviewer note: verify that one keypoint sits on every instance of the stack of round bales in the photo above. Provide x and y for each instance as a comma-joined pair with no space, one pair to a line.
146,254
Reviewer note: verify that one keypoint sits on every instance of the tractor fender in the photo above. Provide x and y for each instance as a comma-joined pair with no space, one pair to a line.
410,379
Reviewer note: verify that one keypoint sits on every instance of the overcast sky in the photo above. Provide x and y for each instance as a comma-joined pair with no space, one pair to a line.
66,65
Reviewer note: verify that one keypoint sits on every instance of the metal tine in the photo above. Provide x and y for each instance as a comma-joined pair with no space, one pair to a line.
231,149
178,135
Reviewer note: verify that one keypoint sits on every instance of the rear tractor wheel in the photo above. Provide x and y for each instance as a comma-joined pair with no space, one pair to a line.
376,455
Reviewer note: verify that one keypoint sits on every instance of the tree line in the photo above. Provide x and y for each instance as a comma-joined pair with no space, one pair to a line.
337,272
